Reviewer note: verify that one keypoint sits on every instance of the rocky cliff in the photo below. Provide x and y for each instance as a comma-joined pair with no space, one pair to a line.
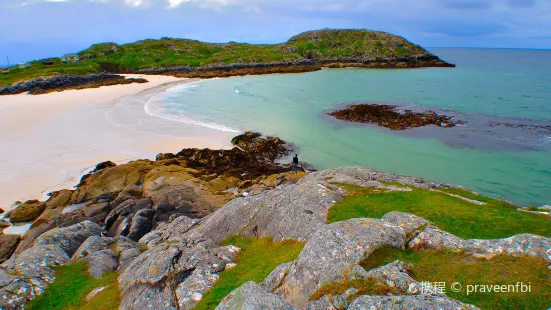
160,226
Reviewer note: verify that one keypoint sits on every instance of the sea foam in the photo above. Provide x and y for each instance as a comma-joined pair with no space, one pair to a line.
154,107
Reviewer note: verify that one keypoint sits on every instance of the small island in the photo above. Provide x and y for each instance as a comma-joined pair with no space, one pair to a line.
308,51
389,116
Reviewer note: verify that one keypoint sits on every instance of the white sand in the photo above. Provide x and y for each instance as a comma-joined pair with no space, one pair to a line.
48,141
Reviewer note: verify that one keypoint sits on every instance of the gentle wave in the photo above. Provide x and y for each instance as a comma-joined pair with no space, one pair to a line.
153,108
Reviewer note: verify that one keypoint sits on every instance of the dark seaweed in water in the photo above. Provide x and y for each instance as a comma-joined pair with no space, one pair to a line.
472,130
389,116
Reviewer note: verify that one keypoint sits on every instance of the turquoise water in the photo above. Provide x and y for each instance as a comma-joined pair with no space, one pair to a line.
488,85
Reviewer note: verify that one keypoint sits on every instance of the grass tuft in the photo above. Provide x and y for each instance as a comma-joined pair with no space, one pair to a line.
255,261
71,286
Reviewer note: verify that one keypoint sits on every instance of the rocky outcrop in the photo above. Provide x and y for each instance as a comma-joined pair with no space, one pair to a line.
391,117
518,245
333,254
104,254
407,302
28,273
173,274
64,82
251,296
296,211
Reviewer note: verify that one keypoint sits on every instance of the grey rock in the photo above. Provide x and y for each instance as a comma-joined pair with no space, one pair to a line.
102,262
170,232
421,302
333,253
69,238
275,278
523,244
251,296
172,275
105,254
29,272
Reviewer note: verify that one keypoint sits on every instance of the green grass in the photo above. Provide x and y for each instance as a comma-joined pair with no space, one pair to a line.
71,286
168,52
497,219
449,267
255,261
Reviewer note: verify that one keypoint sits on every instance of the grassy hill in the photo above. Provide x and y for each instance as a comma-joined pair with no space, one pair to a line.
320,45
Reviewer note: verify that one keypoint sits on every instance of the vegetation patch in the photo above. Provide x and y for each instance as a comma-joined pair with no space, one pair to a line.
450,267
72,285
255,261
495,219
364,287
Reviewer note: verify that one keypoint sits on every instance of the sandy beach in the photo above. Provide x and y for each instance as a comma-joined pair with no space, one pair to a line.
48,141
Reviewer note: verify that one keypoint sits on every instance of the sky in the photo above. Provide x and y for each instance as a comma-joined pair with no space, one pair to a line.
36,29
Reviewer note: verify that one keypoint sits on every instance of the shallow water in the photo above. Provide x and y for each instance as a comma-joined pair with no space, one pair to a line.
488,86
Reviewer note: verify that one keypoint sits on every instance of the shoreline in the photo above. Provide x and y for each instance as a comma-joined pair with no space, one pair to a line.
65,134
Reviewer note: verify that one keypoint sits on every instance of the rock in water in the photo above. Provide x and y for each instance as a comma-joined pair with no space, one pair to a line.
390,117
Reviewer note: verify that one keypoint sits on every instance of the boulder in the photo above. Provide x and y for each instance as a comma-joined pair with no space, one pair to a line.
251,296
8,244
103,165
104,254
111,180
171,275
141,224
4,224
69,238
27,211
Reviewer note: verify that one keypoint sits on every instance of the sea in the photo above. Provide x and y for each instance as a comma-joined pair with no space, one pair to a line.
503,96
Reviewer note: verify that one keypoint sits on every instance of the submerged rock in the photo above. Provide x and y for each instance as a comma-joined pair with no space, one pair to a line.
390,117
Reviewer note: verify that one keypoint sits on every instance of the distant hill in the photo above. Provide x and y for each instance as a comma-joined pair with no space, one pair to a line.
328,47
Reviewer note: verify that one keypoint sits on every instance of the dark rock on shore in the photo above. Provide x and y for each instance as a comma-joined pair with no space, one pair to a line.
64,82
390,117
8,244
27,211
